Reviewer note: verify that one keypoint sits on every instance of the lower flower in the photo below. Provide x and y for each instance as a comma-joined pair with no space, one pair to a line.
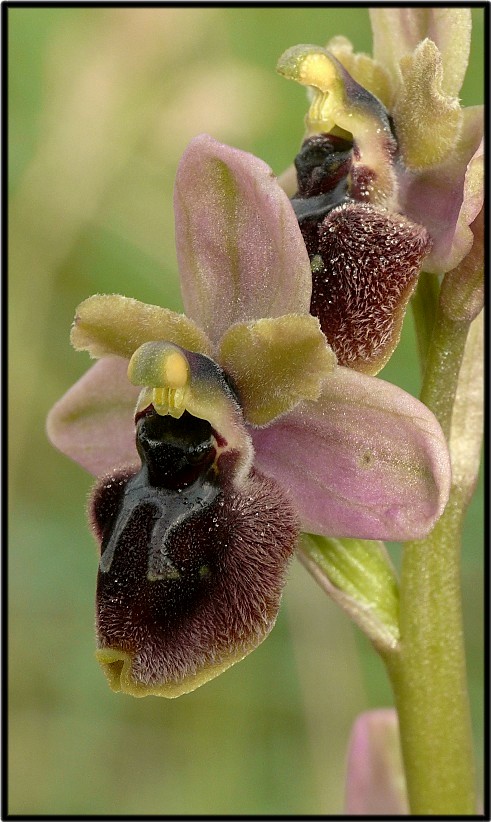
205,487
193,553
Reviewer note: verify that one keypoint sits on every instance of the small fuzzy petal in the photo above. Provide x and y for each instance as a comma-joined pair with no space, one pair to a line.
368,262
366,71
367,460
109,324
451,30
375,781
397,31
93,422
240,252
434,198
427,120
276,363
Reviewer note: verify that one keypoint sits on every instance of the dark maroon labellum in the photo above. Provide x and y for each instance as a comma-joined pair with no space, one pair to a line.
365,259
191,566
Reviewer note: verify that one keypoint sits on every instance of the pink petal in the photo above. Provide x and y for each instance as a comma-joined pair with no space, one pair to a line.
93,422
240,251
438,199
366,460
375,782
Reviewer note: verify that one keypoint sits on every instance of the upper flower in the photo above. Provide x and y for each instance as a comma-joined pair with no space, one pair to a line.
420,57
389,177
245,429
424,53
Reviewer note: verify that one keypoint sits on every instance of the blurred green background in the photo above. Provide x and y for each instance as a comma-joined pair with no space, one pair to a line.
102,104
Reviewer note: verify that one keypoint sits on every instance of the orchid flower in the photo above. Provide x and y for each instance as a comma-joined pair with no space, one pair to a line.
246,430
389,177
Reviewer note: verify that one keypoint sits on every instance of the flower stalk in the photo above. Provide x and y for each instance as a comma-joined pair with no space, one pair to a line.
428,671
424,304
442,369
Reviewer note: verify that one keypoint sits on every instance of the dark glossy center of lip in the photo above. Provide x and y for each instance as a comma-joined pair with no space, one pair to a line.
175,452
323,165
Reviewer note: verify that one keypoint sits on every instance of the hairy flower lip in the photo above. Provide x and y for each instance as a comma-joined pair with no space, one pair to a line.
365,265
166,634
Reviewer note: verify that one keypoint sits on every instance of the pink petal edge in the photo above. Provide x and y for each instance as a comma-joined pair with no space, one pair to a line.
367,460
437,198
93,422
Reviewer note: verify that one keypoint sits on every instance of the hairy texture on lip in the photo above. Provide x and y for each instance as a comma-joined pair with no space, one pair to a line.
366,266
231,558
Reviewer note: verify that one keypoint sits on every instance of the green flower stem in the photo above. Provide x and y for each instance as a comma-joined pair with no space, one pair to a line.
428,671
424,304
443,361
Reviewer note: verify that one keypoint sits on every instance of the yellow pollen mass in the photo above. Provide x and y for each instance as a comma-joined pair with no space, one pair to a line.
159,365
175,370
316,70
165,373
